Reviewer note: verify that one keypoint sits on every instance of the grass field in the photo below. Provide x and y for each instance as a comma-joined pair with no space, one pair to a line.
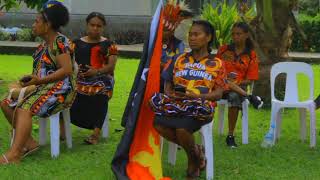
289,159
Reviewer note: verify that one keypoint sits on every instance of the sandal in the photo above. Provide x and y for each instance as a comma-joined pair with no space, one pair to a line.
27,151
202,157
92,140
6,161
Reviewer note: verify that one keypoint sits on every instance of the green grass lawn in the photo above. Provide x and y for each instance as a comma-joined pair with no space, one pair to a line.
289,159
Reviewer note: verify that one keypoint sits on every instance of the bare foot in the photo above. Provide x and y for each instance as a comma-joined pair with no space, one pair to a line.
31,144
30,147
93,139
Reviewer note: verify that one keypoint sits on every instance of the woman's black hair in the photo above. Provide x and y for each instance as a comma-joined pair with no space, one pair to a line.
98,15
186,14
209,30
245,28
57,15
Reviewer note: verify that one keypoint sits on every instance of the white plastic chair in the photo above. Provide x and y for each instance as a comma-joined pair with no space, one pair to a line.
291,69
105,126
207,140
222,104
55,131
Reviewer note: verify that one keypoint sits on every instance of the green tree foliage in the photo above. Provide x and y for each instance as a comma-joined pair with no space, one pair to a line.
309,7
10,4
222,17
311,26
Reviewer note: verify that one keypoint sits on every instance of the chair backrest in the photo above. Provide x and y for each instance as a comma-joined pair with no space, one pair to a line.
250,87
291,69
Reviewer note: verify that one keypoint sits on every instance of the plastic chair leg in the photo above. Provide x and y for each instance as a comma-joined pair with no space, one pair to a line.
55,135
172,153
221,108
161,144
312,126
67,127
43,131
105,127
245,125
207,140
303,125
274,122
279,123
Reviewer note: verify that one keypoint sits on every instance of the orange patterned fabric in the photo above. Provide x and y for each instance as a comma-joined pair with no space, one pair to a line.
113,50
244,66
199,76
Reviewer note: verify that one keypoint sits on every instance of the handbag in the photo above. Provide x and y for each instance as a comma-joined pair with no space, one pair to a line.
17,92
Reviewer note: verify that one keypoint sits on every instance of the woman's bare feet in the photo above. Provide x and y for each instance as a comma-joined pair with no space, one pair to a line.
31,146
31,143
93,139
193,171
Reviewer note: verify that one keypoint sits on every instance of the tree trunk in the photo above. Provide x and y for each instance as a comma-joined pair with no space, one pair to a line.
272,34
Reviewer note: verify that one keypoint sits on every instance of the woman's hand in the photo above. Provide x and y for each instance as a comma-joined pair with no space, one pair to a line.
177,95
191,95
35,80
90,72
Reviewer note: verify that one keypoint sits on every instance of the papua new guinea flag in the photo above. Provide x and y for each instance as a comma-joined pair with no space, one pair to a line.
138,153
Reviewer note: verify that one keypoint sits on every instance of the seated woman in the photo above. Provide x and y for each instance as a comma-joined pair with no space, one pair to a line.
54,77
97,57
241,66
192,83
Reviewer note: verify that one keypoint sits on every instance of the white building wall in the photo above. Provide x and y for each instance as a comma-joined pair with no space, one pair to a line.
107,7
112,7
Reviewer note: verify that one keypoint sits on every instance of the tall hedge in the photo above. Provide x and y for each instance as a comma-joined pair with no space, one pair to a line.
311,27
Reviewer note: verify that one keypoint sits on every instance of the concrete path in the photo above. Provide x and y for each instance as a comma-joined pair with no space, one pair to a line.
134,51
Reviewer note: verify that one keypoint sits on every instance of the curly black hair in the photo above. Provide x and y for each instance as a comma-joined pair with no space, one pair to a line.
57,15
98,15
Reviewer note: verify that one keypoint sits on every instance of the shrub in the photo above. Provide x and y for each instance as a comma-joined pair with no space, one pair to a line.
129,37
311,27
310,7
4,36
24,34
38,39
222,17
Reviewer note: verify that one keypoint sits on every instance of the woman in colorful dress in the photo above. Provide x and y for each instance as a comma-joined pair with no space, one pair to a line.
192,83
54,77
241,66
97,57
